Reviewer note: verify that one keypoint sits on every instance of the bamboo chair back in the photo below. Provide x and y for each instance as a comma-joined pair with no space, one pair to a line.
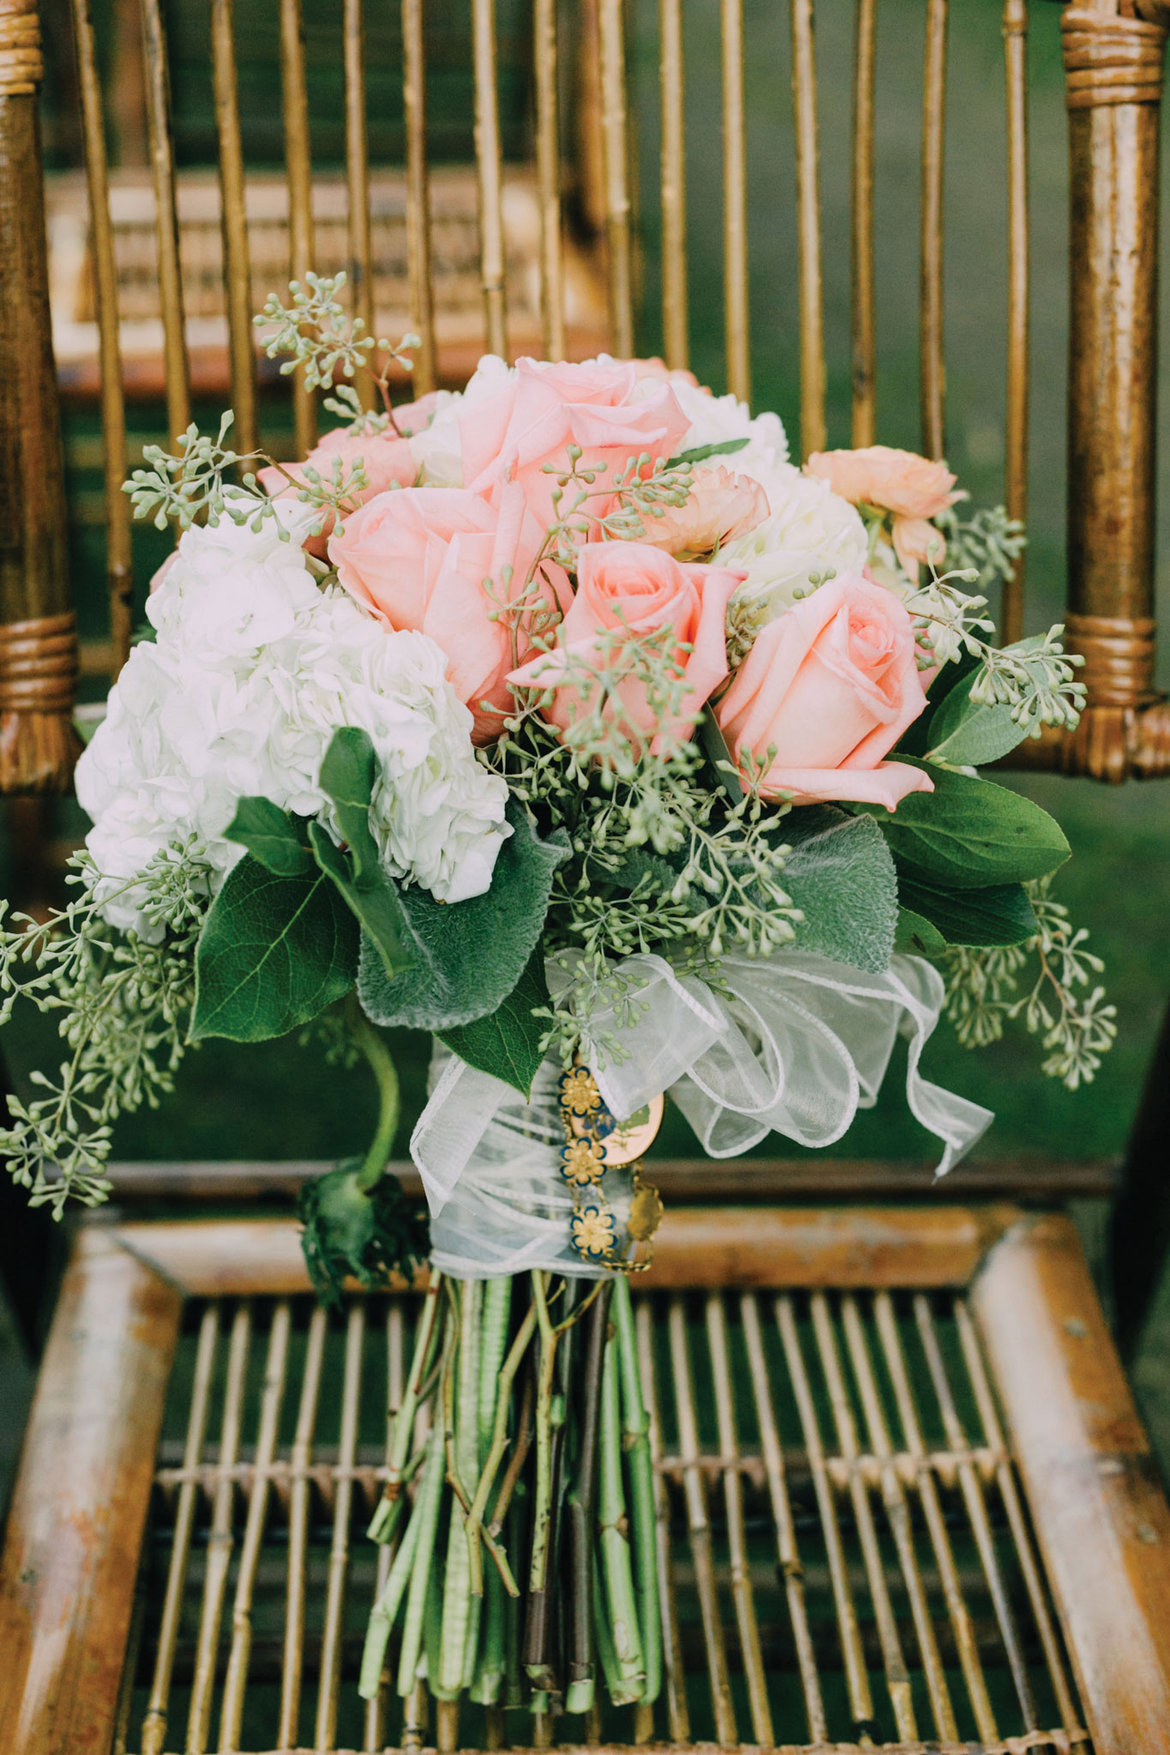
1113,65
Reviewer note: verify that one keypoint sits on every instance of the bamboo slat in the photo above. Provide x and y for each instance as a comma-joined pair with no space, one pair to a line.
488,163
330,1680
616,174
932,369
861,227
673,171
1015,45
119,568
548,179
170,274
808,218
357,173
736,310
299,169
237,272
418,204
298,1533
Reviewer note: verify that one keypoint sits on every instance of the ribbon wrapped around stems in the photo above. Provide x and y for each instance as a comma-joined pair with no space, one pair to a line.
793,1044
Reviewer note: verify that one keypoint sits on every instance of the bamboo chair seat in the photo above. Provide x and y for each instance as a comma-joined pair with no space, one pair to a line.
905,1499
455,272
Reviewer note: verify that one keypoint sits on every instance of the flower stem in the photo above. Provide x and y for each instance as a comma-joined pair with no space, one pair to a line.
385,1518
385,1612
535,1657
426,1511
636,1425
381,1063
461,1417
621,1605
579,1695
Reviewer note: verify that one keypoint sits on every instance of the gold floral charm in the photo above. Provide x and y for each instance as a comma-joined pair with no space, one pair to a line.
592,1231
579,1094
582,1161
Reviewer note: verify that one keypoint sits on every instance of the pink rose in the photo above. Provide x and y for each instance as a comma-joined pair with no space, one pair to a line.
629,588
387,459
911,487
720,506
418,558
415,417
826,690
535,416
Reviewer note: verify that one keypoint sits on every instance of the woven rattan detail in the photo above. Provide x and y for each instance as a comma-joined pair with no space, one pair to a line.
1111,60
21,67
844,1543
38,664
1119,657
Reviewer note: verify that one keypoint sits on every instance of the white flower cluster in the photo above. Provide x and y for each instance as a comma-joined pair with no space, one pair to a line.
253,670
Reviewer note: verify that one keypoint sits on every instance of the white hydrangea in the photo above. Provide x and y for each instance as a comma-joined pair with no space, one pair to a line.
716,419
810,531
243,703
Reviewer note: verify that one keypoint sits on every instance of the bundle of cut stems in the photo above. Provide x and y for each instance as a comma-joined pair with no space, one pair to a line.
520,1497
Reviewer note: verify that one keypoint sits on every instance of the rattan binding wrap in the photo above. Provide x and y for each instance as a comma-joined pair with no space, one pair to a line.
38,677
21,66
1111,60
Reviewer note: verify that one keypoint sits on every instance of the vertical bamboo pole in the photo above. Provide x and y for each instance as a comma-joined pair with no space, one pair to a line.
933,378
808,206
330,1680
418,205
615,159
548,181
676,341
1015,48
300,1490
38,646
861,228
233,202
736,314
357,173
119,567
299,169
166,218
490,176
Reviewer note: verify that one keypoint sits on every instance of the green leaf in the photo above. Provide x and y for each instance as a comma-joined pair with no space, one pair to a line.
467,956
969,733
916,739
348,773
841,876
999,915
273,953
273,836
723,448
506,1043
969,833
916,934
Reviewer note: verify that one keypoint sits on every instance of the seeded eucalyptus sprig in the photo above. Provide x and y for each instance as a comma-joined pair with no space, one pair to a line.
316,332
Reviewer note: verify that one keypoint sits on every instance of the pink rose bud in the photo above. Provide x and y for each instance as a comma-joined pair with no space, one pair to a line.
899,481
625,589
826,691
718,507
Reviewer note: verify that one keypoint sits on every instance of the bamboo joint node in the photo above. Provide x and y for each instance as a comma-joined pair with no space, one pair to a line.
21,66
38,664
1110,59
1119,657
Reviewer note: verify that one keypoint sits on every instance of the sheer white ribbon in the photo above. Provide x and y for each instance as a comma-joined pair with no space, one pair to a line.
794,1044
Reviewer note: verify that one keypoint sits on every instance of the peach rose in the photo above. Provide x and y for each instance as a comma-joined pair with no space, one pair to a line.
629,588
387,459
541,410
911,487
417,558
720,506
825,692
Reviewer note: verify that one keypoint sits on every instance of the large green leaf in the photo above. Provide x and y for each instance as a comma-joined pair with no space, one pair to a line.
348,773
969,833
969,733
273,836
467,956
273,953
917,738
917,934
506,1043
841,876
998,915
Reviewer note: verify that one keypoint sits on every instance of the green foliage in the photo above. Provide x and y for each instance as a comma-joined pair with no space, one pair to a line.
968,834
1034,679
351,1234
509,1042
195,482
916,934
840,874
274,952
467,957
987,544
700,454
348,774
966,730
1001,914
123,1004
273,836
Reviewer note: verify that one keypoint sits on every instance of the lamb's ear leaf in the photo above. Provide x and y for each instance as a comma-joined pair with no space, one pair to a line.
273,836
841,876
468,956
273,953
507,1043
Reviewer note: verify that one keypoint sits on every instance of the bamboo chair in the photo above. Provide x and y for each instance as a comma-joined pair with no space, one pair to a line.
904,1496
